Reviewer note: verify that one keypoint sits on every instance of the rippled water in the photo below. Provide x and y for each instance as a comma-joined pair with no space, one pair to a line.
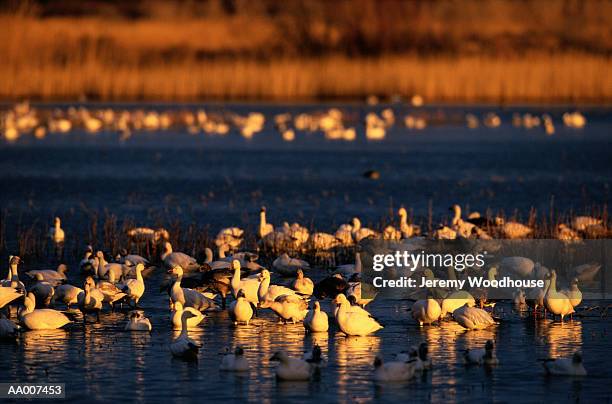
217,182
105,363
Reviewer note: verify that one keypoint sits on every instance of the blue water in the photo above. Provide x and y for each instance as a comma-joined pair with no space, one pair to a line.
165,178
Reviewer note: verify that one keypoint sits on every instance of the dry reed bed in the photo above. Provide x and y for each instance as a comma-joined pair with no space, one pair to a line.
534,78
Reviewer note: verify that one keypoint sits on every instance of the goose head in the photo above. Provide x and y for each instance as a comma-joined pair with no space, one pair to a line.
177,270
167,247
236,266
187,315
340,299
264,274
356,223
178,306
139,267
300,273
574,284
240,294
62,268
89,282
57,221
402,212
317,306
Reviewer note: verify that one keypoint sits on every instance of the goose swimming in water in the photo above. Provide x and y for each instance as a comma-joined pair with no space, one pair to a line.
173,259
292,369
393,371
481,356
56,233
188,297
316,320
41,319
565,366
302,284
234,361
135,288
184,347
241,310
138,322
177,316
354,322
472,318
89,304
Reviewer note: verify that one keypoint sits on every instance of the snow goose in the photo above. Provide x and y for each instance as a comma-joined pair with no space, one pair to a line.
517,267
54,277
135,288
408,230
89,304
241,310
392,371
344,235
270,292
147,235
138,322
515,230
556,302
184,347
172,259
361,233
265,228
8,329
250,286
580,223
56,233
426,311
88,263
12,279
565,366
302,284
67,294
472,318
131,259
106,291
292,369
444,233
234,361
586,272
8,295
323,241
177,315
188,297
454,300
391,233
316,320
535,297
463,228
41,319
287,307
354,291
106,270
481,356
231,237
354,322
42,290
347,270
574,293
287,266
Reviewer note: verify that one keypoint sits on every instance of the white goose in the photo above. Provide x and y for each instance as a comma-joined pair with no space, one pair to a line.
352,322
565,366
287,266
41,319
580,223
177,315
344,235
574,293
12,279
292,369
106,270
188,297
241,310
7,295
230,236
106,291
172,259
184,347
556,302
138,322
67,294
481,356
287,307
347,270
426,311
54,277
234,361
323,241
361,233
271,292
472,318
89,304
408,230
265,228
393,371
135,288
250,286
302,284
56,233
316,320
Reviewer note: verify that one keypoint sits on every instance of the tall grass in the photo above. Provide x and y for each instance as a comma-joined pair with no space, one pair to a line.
294,56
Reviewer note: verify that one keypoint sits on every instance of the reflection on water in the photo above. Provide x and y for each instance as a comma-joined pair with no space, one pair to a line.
103,362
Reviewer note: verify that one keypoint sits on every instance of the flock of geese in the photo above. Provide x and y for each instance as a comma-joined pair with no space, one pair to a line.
194,288
334,123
